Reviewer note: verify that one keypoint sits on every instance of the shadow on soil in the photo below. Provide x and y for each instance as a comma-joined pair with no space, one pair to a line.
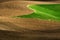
32,35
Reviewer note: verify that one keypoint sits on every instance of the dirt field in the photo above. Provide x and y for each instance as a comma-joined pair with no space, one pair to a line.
22,28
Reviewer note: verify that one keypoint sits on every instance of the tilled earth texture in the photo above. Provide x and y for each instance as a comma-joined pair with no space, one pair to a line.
25,28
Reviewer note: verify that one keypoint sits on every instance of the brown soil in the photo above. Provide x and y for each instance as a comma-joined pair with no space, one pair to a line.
22,28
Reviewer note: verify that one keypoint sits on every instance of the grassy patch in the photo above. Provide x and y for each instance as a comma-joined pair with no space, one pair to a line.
44,11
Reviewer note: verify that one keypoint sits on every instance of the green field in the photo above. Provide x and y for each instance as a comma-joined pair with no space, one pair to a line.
43,11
